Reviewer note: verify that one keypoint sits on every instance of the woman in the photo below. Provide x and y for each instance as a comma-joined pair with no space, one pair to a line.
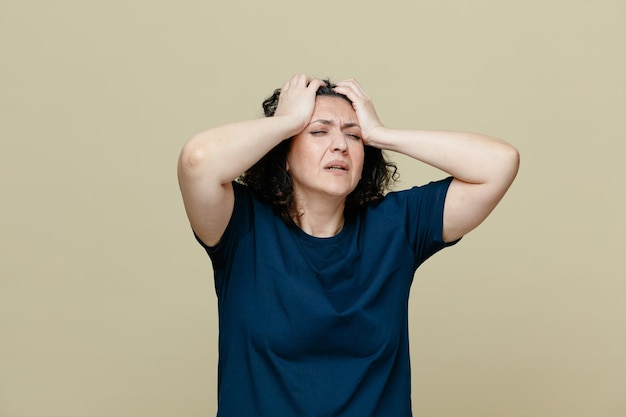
312,261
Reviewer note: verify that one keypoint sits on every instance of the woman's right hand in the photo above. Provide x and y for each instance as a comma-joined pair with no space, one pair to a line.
296,101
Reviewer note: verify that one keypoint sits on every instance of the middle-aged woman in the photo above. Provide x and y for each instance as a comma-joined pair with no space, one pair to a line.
312,260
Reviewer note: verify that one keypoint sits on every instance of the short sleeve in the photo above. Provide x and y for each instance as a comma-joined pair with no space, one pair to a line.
424,214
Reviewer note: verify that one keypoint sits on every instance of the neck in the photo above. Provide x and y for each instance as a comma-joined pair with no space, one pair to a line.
321,219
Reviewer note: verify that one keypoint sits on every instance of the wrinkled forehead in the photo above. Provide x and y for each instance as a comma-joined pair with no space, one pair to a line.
332,108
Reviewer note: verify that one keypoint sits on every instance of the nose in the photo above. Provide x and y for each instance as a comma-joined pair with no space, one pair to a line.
338,141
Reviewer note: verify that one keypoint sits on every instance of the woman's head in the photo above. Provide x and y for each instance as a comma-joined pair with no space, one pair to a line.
270,179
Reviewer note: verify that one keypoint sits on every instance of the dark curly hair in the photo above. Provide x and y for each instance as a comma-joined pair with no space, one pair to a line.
270,182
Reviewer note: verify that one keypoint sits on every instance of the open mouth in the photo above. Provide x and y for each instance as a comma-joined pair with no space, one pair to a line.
336,165
336,168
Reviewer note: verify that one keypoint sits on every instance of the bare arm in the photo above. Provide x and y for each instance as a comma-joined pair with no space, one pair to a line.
483,167
212,159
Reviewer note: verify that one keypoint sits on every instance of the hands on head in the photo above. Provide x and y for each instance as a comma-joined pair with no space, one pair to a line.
297,101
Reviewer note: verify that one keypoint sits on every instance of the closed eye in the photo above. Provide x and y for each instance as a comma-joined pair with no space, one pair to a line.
318,132
354,136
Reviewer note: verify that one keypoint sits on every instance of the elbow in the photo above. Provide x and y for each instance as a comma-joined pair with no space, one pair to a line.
194,156
501,166
513,158
509,162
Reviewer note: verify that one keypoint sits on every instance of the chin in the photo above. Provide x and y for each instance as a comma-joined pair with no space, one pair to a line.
340,191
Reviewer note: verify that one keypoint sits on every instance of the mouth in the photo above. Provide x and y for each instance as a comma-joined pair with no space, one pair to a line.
336,166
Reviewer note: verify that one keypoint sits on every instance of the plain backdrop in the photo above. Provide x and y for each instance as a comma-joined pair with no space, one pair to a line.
107,304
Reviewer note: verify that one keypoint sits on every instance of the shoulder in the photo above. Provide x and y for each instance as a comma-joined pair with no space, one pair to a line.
421,206
432,192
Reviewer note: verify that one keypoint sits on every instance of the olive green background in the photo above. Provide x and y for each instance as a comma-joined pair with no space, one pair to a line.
107,305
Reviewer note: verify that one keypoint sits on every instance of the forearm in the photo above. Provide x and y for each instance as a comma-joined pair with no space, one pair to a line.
225,152
469,157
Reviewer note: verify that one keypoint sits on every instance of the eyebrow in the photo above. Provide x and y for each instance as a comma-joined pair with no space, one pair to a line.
330,122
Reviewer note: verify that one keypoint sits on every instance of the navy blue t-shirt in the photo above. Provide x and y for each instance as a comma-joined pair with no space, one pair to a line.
318,326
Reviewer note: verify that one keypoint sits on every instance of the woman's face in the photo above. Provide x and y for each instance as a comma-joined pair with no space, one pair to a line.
326,158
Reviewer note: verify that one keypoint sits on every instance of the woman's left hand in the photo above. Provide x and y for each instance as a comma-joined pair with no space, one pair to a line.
363,106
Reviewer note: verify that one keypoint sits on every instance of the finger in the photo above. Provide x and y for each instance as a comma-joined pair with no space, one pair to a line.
348,83
299,80
352,81
354,87
315,84
349,92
